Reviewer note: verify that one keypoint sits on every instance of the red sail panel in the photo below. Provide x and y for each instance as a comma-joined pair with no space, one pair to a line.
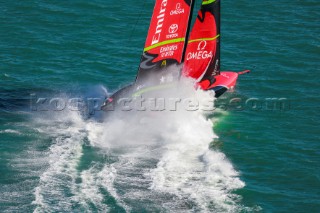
202,58
166,37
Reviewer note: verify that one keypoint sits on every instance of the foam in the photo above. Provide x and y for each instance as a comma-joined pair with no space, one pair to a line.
57,182
175,146
157,160
12,131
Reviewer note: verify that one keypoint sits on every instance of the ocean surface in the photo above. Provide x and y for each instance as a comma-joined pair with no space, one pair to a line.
259,151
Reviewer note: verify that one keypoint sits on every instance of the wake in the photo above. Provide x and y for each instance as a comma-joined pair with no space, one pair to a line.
135,161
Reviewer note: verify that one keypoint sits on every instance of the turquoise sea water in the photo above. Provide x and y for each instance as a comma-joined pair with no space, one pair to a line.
265,159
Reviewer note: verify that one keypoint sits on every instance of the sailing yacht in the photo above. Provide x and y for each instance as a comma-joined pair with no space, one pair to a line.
170,42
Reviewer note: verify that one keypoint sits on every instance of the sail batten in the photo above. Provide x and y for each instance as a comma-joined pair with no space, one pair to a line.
207,2
203,39
164,43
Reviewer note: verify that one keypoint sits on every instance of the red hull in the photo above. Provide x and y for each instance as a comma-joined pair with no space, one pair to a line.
224,82
226,79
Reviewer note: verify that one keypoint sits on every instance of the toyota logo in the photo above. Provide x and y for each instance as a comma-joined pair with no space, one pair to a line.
173,28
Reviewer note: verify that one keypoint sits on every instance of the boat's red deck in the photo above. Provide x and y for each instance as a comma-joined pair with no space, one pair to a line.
225,79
